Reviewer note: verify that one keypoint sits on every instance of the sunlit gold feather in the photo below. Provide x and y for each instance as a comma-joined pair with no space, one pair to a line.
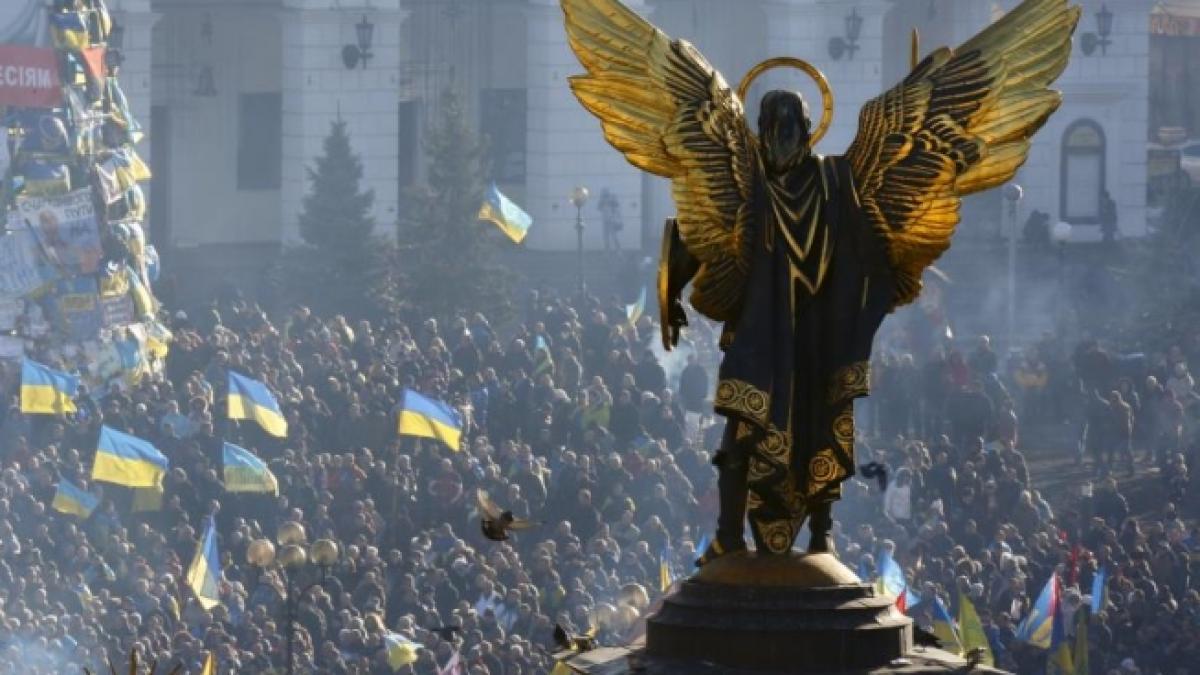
670,113
959,123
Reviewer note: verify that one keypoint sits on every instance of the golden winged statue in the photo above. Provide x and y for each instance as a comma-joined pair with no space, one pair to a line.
802,256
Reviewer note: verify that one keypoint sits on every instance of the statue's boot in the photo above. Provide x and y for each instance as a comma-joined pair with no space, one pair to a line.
732,469
820,522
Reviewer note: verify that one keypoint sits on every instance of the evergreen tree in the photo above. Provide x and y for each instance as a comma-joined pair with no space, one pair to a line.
445,251
339,269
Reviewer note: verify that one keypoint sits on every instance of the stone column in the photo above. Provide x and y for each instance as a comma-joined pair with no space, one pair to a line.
137,19
566,146
318,89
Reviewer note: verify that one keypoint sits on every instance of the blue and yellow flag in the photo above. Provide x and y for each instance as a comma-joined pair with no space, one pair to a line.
1061,661
1099,590
245,472
509,217
128,460
543,362
69,30
46,391
1037,628
427,418
400,650
73,500
147,499
634,312
251,400
970,630
944,628
206,565
210,665
891,578
666,572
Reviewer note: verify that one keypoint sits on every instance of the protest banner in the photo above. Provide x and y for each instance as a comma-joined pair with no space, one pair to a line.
76,307
29,77
66,229
116,310
21,268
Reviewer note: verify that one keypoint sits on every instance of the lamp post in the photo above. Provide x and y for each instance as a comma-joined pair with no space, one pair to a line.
579,197
1102,37
293,556
1061,234
1012,194
352,55
846,46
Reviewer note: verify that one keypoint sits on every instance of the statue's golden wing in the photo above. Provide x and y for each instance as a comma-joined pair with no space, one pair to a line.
959,123
672,114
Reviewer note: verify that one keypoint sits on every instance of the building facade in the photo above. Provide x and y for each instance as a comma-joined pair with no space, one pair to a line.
238,97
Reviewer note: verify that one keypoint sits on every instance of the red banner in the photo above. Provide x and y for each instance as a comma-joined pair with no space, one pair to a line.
29,77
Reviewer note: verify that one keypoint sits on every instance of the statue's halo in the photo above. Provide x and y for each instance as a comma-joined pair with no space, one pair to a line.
812,71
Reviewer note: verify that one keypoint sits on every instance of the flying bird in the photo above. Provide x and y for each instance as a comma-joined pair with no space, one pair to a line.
877,471
496,522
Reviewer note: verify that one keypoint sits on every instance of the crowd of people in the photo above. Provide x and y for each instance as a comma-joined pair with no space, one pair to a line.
573,419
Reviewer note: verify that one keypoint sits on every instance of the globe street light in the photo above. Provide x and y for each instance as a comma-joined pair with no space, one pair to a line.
293,555
579,197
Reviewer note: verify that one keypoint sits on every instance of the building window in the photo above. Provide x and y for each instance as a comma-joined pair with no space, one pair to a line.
502,121
260,141
1083,172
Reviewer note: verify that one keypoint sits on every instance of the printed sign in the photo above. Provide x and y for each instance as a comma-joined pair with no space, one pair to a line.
77,308
29,77
117,310
21,271
66,230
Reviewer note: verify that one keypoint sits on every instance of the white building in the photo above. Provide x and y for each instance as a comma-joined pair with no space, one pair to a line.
239,95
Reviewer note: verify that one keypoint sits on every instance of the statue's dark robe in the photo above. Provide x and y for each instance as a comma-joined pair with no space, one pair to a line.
818,288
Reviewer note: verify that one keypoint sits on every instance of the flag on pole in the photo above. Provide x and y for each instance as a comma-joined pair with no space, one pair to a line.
502,211
1037,629
634,312
400,650
666,573
891,579
46,391
1060,661
206,565
244,472
128,460
73,500
147,499
543,361
251,400
427,418
1080,655
944,628
970,630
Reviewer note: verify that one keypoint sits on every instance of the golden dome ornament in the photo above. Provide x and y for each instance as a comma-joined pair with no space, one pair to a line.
810,70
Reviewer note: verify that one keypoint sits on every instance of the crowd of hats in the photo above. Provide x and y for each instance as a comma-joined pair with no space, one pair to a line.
75,267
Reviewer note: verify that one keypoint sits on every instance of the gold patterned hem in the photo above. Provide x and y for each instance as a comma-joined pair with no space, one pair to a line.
850,382
744,400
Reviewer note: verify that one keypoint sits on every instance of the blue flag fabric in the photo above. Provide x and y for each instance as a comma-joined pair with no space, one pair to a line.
1099,590
1037,628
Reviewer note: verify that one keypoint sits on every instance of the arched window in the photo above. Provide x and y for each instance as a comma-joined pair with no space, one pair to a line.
1083,172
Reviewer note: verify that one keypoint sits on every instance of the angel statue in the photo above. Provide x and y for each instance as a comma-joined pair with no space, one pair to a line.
799,255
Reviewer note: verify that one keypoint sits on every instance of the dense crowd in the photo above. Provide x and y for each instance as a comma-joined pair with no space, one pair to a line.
574,419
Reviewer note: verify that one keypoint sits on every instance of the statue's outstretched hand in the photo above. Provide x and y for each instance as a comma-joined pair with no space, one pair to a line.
676,320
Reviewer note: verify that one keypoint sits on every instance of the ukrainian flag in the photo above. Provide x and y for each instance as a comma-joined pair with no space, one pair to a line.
206,565
210,665
128,460
69,30
891,578
45,390
1061,660
427,418
542,360
251,400
147,499
666,576
73,500
1037,628
246,473
971,630
634,312
509,217
944,629
400,650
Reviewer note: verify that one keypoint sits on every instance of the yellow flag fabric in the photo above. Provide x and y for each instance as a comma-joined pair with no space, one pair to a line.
970,631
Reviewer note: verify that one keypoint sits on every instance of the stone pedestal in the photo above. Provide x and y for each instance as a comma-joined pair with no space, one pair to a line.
777,614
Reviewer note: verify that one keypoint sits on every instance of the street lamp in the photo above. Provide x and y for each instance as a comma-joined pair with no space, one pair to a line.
1012,194
292,557
352,55
579,197
1104,26
1060,234
848,45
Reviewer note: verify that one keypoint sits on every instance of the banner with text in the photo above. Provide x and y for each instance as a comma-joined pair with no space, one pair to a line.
66,228
29,77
